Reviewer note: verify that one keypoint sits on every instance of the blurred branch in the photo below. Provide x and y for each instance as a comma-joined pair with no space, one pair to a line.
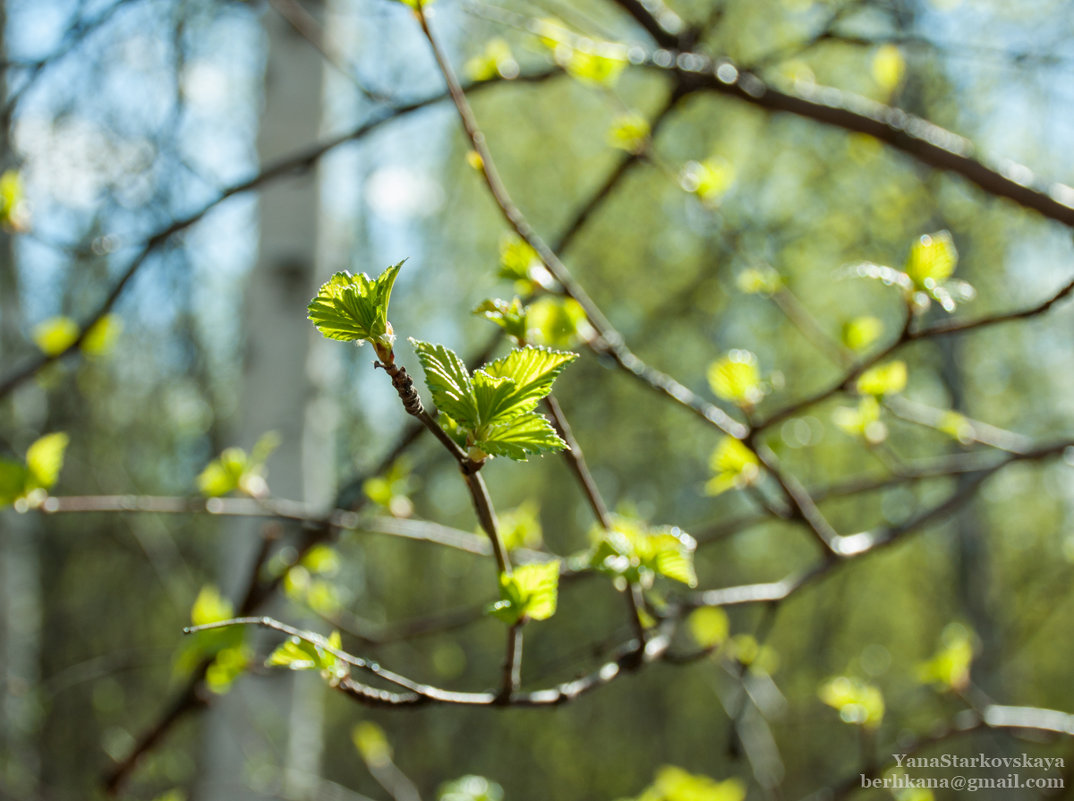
919,138
295,164
610,341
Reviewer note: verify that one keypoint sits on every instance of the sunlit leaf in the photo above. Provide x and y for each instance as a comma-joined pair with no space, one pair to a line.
675,784
932,260
762,280
734,466
371,743
210,607
449,382
857,702
883,379
521,527
950,667
471,788
629,132
861,332
709,626
636,553
494,61
296,653
44,460
529,593
510,316
102,335
519,437
862,421
736,377
355,308
55,335
532,370
888,67
709,179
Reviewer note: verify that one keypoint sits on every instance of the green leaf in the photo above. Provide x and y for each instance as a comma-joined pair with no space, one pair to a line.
709,626
600,66
709,179
532,371
55,335
557,322
521,527
102,335
210,607
228,664
371,744
629,132
296,653
470,788
495,61
950,667
676,784
12,211
44,460
636,553
518,437
861,332
883,379
737,378
932,260
13,479
762,280
518,261
863,421
355,308
223,474
857,702
529,593
511,317
734,465
449,382
888,67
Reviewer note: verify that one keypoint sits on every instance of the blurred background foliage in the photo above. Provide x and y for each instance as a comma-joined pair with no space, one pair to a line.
737,228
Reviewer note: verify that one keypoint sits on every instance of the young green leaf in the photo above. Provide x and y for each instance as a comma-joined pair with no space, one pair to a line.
44,460
449,382
863,421
355,308
55,335
495,60
529,593
531,371
634,553
861,332
629,132
932,260
709,626
949,668
883,379
675,784
296,653
709,179
511,317
857,702
737,378
734,465
518,437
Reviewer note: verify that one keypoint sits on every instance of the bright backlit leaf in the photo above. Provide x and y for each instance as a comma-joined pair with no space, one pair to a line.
629,132
521,527
888,67
510,316
862,421
493,410
883,379
636,553
55,335
529,593
734,466
709,626
932,260
296,653
709,179
675,784
234,469
858,703
494,61
762,280
355,308
102,335
470,788
861,332
736,377
44,459
372,744
449,382
558,322
950,667
519,437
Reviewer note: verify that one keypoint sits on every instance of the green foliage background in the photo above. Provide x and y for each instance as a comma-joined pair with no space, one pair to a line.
664,264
